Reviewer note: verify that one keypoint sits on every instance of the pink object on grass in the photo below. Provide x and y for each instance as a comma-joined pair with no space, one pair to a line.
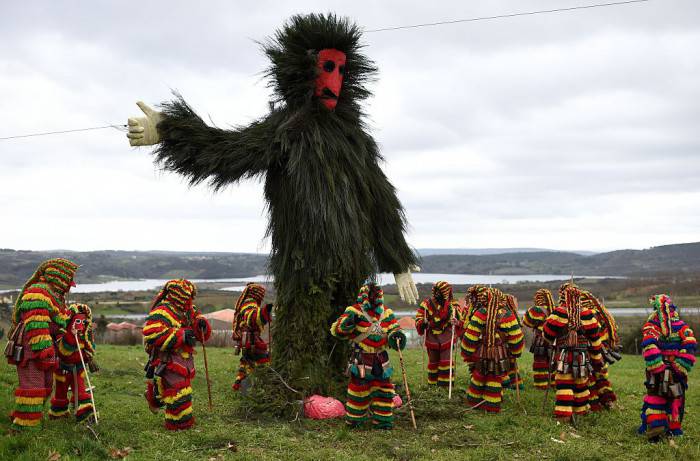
319,407
397,401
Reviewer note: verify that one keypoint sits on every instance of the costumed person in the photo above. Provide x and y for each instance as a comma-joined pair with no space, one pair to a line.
669,347
172,328
38,318
602,394
434,319
492,336
249,320
334,217
371,327
515,377
575,334
70,374
535,316
474,299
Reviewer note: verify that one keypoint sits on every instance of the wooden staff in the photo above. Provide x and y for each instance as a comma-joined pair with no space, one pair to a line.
87,378
452,350
405,385
206,368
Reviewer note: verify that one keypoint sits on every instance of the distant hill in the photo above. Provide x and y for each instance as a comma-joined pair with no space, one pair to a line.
490,251
17,266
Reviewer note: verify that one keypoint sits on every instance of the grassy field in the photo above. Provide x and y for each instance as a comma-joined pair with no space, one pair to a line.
447,430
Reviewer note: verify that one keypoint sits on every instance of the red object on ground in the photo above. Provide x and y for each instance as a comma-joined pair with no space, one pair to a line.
319,407
397,401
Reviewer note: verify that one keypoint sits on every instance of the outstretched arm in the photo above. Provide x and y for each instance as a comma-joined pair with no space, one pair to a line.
187,145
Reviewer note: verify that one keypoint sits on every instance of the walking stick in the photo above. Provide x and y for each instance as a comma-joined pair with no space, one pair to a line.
87,378
206,368
408,392
452,350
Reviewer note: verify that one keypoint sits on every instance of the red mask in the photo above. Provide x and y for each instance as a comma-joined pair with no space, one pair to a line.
79,323
331,67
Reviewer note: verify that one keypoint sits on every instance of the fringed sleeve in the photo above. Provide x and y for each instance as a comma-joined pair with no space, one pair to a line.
686,355
202,336
513,333
162,330
200,152
254,316
591,329
421,320
472,334
555,324
344,326
534,317
651,351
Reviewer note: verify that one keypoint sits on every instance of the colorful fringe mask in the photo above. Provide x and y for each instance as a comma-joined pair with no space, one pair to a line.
442,291
665,311
543,298
179,293
253,291
371,296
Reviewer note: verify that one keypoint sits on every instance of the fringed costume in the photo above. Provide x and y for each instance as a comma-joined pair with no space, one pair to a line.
38,318
434,319
249,321
70,374
371,326
334,217
515,377
669,348
170,333
492,337
535,316
602,394
575,333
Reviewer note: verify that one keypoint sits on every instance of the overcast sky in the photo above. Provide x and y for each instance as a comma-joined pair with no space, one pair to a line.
575,130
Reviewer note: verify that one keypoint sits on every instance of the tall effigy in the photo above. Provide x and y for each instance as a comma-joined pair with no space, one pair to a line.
334,218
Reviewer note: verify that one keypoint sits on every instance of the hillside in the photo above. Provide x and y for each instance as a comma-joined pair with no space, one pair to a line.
16,266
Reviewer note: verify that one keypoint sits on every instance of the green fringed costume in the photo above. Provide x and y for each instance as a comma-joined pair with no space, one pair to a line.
334,218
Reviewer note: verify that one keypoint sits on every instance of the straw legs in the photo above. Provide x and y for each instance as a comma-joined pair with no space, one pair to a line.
662,416
540,370
438,348
34,388
250,359
486,390
60,403
370,397
173,390
573,396
602,395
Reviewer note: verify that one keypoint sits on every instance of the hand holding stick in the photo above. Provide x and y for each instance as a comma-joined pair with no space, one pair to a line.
87,377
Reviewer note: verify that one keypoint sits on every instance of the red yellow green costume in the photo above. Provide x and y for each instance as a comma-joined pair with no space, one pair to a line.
371,326
172,328
492,337
38,317
248,323
669,347
535,316
433,319
70,373
514,377
575,333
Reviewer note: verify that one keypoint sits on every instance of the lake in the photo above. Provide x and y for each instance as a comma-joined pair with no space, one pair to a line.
384,279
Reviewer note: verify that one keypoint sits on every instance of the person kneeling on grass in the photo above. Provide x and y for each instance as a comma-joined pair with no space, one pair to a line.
669,353
172,328
371,326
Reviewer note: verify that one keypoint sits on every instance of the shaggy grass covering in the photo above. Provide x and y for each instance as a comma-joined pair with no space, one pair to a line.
447,430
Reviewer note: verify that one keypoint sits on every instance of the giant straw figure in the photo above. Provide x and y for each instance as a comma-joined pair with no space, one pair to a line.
334,218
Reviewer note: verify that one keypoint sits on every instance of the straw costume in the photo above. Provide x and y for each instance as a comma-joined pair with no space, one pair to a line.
38,318
535,316
334,217
492,336
434,320
249,321
170,333
575,333
371,327
70,374
669,348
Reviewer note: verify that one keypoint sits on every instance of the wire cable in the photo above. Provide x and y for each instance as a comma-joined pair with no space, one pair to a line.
119,127
504,16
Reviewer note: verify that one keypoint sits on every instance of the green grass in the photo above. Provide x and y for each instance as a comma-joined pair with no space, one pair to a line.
446,429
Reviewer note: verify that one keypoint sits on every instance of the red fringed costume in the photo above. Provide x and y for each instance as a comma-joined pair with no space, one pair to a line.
70,374
249,321
514,378
434,320
541,350
172,328
38,318
492,337
669,348
371,326
575,333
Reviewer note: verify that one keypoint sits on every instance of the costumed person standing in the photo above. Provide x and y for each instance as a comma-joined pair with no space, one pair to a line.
514,378
38,318
434,319
371,327
575,333
669,348
602,394
172,328
535,316
70,374
249,320
334,217
492,336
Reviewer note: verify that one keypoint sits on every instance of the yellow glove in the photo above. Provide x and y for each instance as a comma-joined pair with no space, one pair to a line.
143,131
407,288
